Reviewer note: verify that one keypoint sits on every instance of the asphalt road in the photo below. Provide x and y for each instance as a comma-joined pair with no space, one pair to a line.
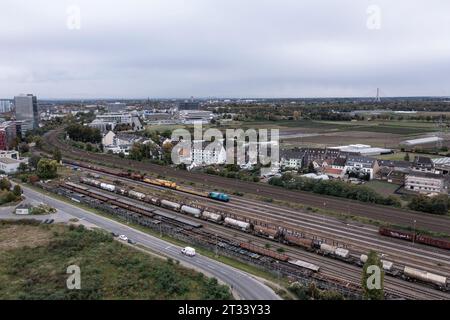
245,285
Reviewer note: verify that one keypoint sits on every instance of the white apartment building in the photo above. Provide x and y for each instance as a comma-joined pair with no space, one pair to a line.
425,183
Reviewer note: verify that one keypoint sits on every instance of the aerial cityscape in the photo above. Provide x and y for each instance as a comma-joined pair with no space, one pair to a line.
213,150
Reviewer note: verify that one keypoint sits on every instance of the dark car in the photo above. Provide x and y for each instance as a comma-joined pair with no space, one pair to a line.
130,241
115,235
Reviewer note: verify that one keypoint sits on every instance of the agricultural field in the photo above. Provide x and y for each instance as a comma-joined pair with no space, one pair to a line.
400,156
35,259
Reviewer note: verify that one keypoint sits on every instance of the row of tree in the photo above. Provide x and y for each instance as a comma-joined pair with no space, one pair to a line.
435,205
334,188
83,133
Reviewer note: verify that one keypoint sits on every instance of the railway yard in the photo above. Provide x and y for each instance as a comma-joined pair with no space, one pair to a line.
299,244
370,211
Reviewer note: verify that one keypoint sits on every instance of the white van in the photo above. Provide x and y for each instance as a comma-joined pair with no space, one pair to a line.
188,251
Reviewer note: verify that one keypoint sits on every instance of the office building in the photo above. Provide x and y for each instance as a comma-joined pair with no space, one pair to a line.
116,107
5,106
189,105
27,111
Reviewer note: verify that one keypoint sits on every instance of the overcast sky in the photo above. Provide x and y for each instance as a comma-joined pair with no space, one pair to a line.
224,48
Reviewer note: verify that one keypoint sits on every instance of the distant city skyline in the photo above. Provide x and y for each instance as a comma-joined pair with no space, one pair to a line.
224,49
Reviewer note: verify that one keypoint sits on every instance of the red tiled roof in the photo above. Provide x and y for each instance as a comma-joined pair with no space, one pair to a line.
333,171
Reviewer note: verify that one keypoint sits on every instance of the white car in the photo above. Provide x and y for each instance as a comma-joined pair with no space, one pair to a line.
188,251
123,237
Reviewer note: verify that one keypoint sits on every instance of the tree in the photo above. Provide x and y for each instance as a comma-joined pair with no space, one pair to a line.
17,190
372,279
46,169
5,184
23,147
57,155
82,133
407,158
311,168
33,161
23,167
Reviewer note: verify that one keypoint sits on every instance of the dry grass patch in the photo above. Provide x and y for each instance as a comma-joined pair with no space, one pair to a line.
17,236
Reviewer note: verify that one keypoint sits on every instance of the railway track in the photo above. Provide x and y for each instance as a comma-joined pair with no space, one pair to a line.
357,240
348,207
332,268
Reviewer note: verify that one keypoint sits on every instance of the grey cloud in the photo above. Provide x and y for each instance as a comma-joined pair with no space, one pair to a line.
267,48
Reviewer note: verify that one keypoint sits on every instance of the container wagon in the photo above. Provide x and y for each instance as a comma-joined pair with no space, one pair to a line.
305,265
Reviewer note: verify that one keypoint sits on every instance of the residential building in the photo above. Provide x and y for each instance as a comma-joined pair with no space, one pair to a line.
109,138
393,171
320,157
10,154
27,111
339,163
9,166
442,165
202,155
360,164
8,133
292,158
334,173
424,182
423,164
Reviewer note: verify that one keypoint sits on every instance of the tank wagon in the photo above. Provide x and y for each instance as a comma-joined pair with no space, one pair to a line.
413,274
387,265
237,224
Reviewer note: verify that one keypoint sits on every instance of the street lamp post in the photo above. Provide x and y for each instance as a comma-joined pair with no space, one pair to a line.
414,232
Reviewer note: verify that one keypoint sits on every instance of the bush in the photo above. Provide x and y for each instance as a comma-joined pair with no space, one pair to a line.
434,205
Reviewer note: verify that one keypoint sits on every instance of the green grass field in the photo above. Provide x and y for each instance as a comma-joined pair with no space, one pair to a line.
33,266
400,156
382,187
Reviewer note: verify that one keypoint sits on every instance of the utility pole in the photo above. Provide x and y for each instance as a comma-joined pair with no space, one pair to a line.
217,249
414,232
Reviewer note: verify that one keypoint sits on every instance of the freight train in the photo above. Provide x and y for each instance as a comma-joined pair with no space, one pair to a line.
279,234
157,182
415,237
